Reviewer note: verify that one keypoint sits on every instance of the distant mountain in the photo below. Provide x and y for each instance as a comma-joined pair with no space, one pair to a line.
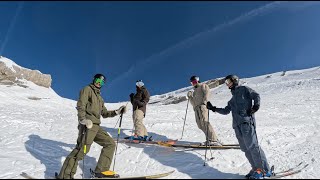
13,74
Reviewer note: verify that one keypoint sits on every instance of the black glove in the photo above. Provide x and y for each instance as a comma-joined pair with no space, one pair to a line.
209,106
253,110
131,95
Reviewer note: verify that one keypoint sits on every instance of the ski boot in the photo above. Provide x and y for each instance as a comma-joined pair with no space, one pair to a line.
211,143
145,138
134,137
257,174
260,174
249,174
106,174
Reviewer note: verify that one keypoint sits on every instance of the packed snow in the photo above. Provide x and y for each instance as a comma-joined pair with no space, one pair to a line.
39,129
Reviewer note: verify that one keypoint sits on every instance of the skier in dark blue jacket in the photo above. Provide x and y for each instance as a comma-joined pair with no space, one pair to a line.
244,124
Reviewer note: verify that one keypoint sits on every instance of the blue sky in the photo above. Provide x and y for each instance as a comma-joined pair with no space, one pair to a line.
162,43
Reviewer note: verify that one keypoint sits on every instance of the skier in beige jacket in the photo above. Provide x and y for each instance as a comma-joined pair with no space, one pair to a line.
198,99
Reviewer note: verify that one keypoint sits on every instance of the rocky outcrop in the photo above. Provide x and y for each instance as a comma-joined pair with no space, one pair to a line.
11,73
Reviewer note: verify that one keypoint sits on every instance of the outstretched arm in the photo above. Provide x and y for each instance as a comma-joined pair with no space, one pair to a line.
105,113
225,110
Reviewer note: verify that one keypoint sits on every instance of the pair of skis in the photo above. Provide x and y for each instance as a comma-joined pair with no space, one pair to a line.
294,170
154,176
174,144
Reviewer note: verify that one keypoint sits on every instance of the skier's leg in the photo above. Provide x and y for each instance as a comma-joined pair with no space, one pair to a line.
251,142
243,147
108,147
204,124
70,164
140,129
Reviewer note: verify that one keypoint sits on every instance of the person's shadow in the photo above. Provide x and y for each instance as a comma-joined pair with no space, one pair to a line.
190,163
50,153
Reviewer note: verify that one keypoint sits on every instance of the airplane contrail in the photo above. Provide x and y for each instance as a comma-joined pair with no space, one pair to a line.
249,15
11,26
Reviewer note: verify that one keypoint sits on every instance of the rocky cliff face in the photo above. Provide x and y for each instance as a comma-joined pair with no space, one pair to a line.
11,73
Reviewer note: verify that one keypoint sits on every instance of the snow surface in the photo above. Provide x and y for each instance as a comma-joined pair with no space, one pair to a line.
37,135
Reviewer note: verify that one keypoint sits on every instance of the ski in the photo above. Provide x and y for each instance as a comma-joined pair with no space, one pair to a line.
197,146
287,173
173,143
166,143
27,176
154,176
294,170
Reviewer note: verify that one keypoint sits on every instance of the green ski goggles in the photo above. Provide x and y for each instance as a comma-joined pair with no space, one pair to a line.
99,81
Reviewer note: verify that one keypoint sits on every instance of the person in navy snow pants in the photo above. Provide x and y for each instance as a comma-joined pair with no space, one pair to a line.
244,123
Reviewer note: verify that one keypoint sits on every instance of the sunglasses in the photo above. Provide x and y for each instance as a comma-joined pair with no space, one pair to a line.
194,82
99,81
228,81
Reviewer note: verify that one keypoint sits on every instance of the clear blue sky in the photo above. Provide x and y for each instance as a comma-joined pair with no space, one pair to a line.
162,43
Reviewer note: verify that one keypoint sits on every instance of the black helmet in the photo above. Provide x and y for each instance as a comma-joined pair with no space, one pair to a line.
194,78
234,79
99,76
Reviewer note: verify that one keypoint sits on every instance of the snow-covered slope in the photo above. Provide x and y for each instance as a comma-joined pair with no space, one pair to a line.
38,133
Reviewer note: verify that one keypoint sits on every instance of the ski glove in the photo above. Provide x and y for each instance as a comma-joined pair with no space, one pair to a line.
209,106
189,95
121,110
87,123
254,109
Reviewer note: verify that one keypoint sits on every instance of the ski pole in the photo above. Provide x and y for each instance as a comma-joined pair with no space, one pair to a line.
119,117
207,129
116,123
185,118
84,148
115,156
205,156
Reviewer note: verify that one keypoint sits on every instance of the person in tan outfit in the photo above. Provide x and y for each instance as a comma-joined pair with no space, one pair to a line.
198,99
139,102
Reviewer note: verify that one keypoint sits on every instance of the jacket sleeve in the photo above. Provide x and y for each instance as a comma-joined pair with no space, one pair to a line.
191,101
254,96
82,103
145,99
105,113
206,92
225,110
